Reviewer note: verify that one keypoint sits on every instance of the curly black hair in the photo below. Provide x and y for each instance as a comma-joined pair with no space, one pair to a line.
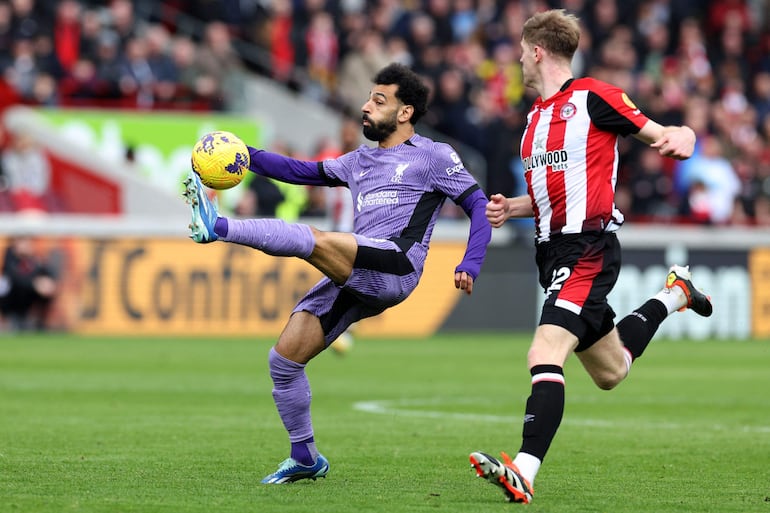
411,89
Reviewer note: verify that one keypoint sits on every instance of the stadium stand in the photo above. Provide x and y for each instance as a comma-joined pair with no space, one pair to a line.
703,63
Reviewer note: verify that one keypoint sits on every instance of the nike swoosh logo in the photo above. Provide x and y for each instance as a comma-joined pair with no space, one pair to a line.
364,173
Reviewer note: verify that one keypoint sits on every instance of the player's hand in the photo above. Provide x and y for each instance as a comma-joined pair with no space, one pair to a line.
676,143
464,281
497,210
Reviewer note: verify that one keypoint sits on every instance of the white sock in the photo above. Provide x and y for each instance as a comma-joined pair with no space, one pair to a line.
528,465
673,299
628,359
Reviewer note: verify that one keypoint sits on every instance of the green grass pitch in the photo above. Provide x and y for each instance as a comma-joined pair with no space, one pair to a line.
171,425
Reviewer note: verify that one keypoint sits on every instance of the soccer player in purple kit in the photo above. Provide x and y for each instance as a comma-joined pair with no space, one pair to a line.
398,188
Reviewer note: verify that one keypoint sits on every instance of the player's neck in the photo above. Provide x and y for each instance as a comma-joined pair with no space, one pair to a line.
553,79
402,134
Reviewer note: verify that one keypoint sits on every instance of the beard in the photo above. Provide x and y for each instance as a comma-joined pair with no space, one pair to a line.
378,132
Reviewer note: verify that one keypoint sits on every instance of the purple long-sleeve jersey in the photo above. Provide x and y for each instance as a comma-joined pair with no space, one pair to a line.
397,192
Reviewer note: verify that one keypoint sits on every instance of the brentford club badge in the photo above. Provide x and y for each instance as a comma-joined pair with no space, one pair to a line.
567,111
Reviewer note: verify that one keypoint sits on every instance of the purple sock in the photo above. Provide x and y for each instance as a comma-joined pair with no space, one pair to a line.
272,236
304,452
291,393
220,226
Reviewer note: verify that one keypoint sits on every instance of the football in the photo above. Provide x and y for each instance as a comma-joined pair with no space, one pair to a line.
221,159
343,344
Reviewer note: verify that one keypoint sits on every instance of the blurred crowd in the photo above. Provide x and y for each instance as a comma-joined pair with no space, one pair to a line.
113,54
702,63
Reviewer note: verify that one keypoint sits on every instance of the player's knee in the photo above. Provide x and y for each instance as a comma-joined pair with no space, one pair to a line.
605,384
608,380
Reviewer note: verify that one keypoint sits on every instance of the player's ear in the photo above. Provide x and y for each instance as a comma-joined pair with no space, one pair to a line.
537,52
405,114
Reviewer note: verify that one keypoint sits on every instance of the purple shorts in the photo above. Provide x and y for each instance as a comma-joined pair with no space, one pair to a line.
383,276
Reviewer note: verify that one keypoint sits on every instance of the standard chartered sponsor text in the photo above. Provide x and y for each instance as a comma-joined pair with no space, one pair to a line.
380,198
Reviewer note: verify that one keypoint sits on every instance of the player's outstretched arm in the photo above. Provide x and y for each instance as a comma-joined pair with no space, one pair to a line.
676,142
286,169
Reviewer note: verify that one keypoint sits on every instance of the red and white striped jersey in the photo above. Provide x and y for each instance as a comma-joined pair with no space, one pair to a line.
570,156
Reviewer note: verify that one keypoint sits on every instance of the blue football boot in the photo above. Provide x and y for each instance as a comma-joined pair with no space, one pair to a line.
291,470
204,211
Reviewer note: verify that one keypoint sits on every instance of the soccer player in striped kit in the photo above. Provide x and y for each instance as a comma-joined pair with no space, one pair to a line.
398,187
570,157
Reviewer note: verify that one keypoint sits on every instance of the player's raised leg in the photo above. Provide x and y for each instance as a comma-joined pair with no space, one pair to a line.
609,360
272,236
678,294
332,253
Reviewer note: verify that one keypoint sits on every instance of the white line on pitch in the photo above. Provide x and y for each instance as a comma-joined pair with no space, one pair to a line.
397,408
